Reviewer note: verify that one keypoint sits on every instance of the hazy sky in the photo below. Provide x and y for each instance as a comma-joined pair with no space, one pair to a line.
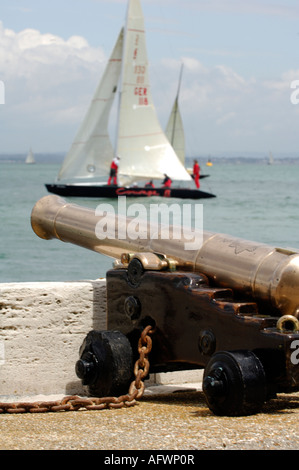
240,59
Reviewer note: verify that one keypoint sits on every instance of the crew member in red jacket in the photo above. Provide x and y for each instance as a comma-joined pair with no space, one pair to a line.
166,182
113,171
196,173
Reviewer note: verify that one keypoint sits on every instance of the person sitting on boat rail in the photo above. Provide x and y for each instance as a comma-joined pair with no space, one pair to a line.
196,173
167,181
150,184
113,170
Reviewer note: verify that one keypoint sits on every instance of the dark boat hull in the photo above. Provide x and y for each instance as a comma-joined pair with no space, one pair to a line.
116,191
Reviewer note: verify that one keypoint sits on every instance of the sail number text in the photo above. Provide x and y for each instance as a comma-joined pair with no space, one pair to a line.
139,71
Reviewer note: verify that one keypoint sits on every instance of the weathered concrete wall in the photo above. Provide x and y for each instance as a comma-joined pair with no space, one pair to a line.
42,326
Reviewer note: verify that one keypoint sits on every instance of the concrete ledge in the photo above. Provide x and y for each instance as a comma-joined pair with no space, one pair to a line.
42,326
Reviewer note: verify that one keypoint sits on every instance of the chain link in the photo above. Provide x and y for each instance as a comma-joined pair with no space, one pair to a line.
75,402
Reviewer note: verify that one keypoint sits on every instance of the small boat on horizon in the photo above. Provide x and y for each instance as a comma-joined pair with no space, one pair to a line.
30,160
270,159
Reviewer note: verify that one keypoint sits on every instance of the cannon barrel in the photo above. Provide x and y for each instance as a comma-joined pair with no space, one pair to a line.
263,273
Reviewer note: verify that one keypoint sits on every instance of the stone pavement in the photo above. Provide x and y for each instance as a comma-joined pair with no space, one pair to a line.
168,417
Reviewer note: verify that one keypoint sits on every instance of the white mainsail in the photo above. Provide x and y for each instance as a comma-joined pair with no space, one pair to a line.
143,147
91,152
175,128
145,151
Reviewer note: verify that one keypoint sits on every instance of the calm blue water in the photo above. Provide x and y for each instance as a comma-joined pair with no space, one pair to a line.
254,201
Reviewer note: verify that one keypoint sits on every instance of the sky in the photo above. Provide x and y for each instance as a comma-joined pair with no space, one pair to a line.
240,59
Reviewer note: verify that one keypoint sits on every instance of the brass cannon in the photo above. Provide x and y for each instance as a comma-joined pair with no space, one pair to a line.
229,306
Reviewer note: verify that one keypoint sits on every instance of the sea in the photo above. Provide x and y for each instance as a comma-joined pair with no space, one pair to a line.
254,201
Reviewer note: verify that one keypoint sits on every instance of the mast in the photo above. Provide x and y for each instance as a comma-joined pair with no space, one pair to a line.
120,86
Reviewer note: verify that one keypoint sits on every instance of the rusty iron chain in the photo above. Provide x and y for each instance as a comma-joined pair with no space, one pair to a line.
75,402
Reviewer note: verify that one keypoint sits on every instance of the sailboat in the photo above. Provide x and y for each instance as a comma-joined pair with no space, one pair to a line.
30,158
144,150
270,159
175,130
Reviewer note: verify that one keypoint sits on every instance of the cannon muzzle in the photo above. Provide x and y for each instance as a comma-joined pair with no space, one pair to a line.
265,274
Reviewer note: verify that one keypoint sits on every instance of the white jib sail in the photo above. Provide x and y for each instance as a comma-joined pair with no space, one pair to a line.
142,145
175,128
91,153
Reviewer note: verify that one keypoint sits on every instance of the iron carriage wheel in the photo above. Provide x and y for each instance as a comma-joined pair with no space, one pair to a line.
106,363
234,383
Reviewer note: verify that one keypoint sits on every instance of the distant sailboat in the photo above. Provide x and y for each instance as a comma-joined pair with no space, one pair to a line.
175,128
270,159
145,151
30,158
